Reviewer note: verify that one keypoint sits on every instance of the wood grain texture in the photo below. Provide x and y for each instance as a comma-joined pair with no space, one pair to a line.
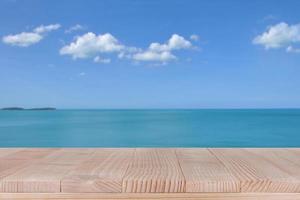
16,160
152,196
35,178
30,154
154,170
293,156
168,172
284,160
103,172
45,174
68,156
203,172
256,173
6,151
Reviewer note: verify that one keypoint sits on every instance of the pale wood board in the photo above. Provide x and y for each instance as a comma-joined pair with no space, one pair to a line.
256,173
152,196
203,172
283,159
162,173
68,156
294,156
29,154
6,151
16,160
103,172
45,174
154,170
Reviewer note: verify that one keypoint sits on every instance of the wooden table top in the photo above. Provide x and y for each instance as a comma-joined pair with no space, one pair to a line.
149,170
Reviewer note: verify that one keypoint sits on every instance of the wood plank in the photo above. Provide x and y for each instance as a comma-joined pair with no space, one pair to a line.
203,172
69,156
255,172
17,160
6,151
154,170
282,159
294,156
102,173
30,154
88,170
35,178
152,196
45,174
8,167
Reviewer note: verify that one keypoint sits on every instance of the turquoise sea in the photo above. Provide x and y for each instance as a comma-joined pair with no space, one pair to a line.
151,128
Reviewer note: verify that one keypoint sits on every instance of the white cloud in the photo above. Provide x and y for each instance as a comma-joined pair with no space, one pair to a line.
281,35
26,39
174,43
157,52
74,28
45,29
90,44
164,56
98,59
194,37
291,49
22,39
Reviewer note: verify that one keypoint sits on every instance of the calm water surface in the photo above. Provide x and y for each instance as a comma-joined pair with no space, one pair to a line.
151,128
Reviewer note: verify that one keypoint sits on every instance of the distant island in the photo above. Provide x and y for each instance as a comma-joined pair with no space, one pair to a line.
20,108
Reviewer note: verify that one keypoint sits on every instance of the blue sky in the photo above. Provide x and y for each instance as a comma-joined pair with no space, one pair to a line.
150,54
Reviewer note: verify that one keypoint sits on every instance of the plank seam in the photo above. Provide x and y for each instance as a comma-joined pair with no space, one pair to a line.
132,160
74,166
184,178
60,186
239,181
